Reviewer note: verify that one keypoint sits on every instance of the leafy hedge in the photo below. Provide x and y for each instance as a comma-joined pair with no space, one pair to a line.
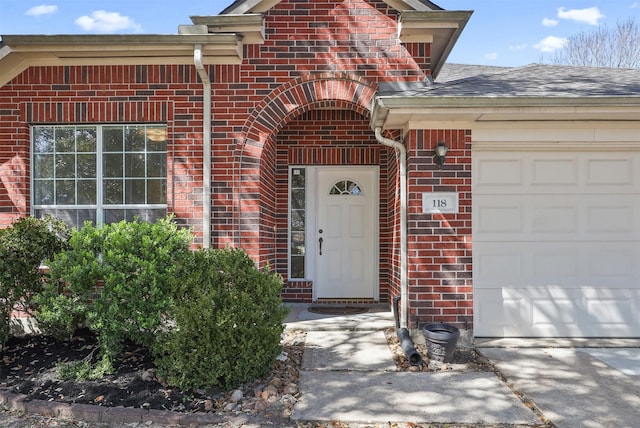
23,247
227,322
210,317
117,279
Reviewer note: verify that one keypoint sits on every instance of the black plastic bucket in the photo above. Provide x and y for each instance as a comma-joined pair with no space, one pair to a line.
441,341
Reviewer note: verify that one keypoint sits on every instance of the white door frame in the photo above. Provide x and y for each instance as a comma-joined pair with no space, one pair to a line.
314,236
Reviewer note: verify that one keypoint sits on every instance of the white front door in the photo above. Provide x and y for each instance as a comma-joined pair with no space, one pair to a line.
347,233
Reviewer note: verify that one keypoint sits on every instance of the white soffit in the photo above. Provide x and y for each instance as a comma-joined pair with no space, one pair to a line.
23,51
249,26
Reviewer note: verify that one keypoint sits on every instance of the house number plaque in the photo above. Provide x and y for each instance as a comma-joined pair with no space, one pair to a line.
440,202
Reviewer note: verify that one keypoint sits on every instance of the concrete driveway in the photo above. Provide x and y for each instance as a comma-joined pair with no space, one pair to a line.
575,387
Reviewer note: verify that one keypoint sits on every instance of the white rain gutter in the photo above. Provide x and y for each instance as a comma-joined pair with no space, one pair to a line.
402,151
206,146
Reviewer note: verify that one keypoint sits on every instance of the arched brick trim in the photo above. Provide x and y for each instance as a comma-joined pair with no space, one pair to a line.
313,91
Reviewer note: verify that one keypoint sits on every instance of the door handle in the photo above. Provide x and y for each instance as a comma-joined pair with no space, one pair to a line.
320,242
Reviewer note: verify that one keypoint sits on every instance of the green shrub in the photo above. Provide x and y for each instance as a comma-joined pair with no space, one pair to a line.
60,315
226,326
120,276
23,247
83,370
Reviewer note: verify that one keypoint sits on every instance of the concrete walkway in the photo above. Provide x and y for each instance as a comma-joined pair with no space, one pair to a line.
348,375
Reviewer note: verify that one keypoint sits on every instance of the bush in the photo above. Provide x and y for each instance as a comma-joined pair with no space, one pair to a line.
226,326
23,247
119,279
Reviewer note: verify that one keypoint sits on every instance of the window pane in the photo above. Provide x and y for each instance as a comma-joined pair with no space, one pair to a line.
43,139
157,139
73,218
87,192
113,216
354,189
156,191
297,220
112,139
297,267
65,166
86,139
65,192
346,187
144,214
43,166
65,140
134,139
135,192
43,192
156,165
113,192
134,164
87,166
112,165
297,178
153,215
297,199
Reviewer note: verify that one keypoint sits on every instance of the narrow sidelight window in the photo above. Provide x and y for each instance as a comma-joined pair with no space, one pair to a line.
297,215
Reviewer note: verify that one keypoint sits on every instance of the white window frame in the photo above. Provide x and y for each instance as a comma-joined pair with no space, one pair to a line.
100,206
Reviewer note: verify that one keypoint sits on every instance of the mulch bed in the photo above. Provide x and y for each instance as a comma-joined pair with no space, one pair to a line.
29,368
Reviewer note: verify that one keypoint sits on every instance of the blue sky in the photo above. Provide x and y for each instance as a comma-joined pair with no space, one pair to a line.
500,32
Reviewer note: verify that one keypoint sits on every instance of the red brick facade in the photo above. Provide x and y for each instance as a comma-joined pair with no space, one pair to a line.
301,98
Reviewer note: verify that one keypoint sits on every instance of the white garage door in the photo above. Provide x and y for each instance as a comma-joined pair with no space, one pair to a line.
556,244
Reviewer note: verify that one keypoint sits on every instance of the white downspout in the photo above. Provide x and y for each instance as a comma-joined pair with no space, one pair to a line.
206,146
402,151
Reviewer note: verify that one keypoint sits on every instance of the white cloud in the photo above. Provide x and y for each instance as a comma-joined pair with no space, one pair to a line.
43,9
547,22
491,56
102,21
589,16
518,47
550,44
634,5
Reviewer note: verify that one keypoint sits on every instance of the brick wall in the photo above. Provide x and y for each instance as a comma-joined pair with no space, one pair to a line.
440,282
106,94
316,73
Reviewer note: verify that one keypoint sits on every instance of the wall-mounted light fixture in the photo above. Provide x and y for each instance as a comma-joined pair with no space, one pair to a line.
440,153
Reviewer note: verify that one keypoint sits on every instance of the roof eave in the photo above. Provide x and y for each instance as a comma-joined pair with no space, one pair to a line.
22,51
441,28
250,26
409,113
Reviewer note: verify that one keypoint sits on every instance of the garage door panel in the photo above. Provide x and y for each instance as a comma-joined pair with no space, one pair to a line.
556,217
534,264
620,170
500,172
556,239
615,217
557,312
556,173
499,314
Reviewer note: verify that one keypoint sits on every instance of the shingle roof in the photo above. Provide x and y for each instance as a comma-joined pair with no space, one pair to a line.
535,80
237,3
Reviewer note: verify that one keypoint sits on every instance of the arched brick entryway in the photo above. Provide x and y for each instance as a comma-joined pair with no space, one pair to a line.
254,182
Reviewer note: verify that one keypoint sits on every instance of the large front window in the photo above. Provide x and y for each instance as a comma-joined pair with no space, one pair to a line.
100,173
